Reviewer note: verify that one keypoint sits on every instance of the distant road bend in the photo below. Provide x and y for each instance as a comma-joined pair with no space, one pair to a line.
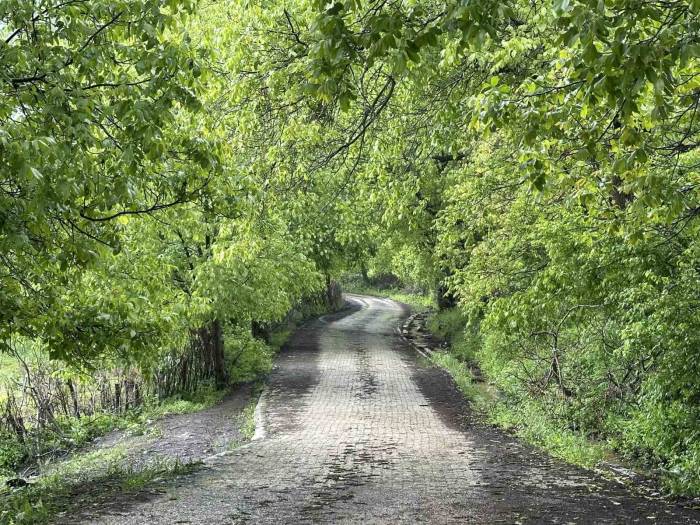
355,428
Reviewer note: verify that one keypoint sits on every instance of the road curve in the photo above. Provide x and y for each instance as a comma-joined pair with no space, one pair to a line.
356,429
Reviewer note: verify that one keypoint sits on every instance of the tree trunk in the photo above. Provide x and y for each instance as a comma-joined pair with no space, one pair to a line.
217,341
365,276
117,397
74,398
329,297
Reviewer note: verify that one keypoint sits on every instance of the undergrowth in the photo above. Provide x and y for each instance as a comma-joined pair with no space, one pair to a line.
71,433
64,484
82,481
526,418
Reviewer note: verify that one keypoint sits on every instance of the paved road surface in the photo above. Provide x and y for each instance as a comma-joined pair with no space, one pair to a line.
358,430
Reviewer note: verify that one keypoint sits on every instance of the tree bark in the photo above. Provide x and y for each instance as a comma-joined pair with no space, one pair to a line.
217,341
74,398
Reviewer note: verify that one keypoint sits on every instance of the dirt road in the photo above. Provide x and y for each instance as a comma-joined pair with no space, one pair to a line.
354,428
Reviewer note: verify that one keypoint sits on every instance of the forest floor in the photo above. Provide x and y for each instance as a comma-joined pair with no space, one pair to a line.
355,427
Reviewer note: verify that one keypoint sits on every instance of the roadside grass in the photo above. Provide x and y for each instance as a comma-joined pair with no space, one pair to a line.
70,434
248,418
185,403
529,421
447,324
461,375
279,337
85,480
67,434
524,418
90,478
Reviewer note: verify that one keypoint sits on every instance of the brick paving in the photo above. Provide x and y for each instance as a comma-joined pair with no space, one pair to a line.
357,430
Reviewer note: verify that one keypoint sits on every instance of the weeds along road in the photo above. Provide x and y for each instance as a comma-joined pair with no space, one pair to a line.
355,428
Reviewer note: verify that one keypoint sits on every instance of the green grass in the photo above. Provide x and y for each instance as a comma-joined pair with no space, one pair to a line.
526,418
461,375
279,337
62,484
70,433
185,403
94,476
448,325
9,367
248,419
84,479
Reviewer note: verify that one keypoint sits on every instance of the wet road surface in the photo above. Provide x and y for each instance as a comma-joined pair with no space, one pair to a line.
354,428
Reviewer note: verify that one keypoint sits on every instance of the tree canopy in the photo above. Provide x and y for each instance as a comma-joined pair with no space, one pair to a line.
169,165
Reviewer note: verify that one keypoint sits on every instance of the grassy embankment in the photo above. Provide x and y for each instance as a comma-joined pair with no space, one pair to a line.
525,418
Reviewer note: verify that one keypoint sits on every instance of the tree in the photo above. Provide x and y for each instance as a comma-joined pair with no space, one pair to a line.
95,126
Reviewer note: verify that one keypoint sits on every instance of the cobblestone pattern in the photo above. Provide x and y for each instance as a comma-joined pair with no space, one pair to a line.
357,430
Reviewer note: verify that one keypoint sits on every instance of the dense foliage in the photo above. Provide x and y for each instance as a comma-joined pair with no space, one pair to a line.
173,172
536,164
141,242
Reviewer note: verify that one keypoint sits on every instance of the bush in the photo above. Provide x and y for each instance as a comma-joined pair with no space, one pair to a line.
451,325
247,358
12,452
